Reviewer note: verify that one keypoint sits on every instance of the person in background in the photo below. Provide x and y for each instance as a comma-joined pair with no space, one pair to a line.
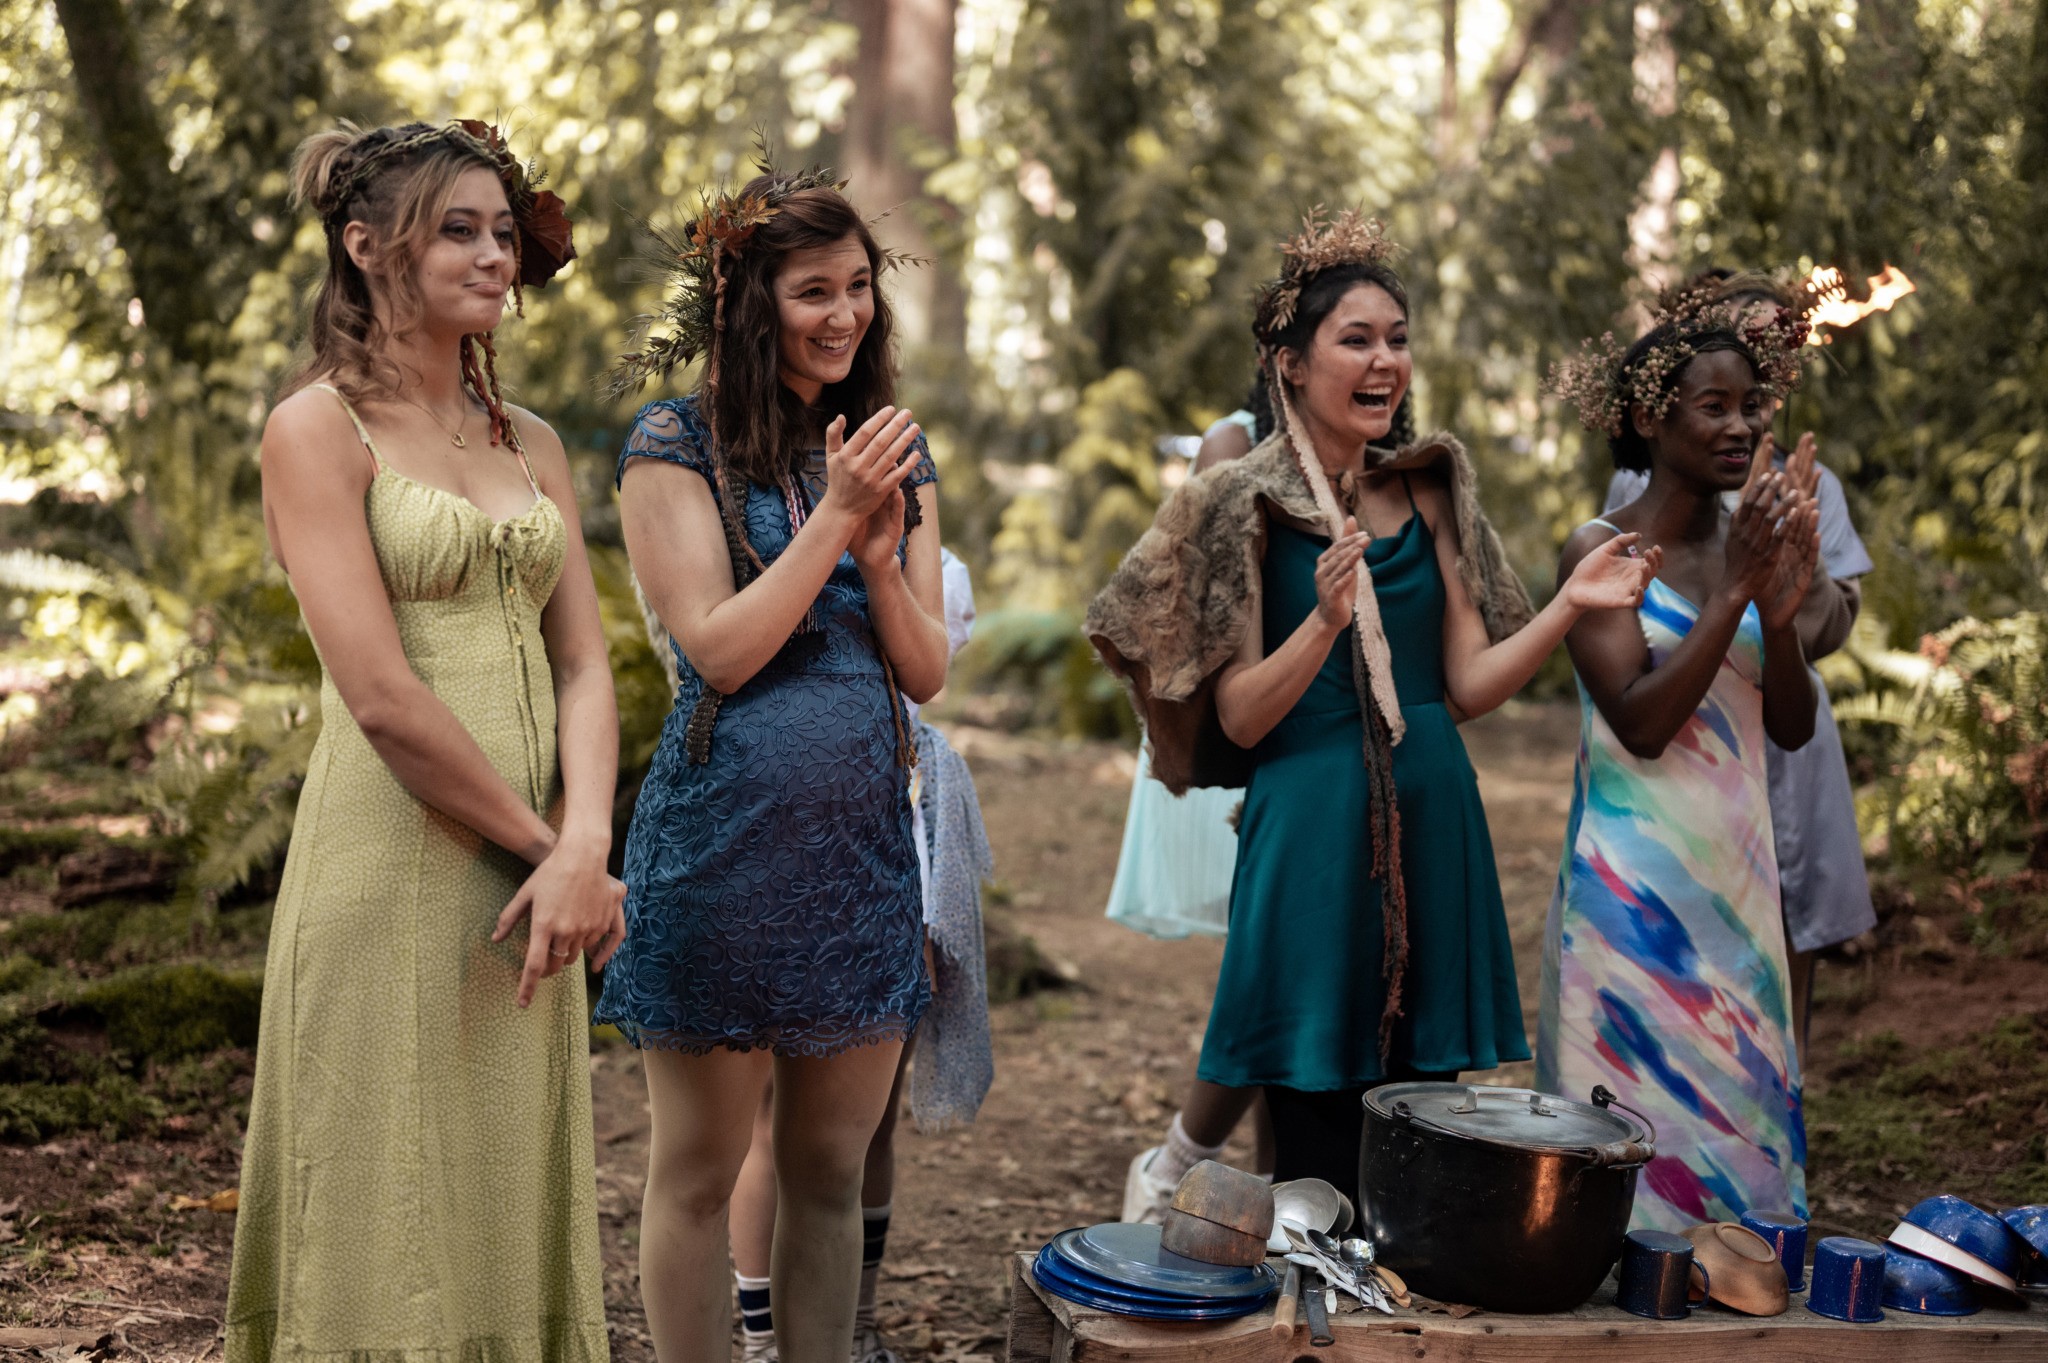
955,1059
1173,881
783,525
418,1178
1821,875
1664,974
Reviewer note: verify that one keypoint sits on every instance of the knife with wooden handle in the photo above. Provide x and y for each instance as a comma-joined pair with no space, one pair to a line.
1290,1299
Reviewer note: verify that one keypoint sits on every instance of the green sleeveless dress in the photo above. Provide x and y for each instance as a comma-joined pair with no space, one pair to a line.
418,1179
1299,1001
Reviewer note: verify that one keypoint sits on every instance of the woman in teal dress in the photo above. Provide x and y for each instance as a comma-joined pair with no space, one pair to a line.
1379,611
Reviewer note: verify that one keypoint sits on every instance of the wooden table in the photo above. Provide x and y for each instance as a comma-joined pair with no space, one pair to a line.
1049,1329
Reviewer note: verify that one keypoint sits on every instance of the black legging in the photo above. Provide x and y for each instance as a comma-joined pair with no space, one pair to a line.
1317,1135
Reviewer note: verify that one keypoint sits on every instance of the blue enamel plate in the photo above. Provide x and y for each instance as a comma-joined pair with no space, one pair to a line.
1127,1257
1077,1287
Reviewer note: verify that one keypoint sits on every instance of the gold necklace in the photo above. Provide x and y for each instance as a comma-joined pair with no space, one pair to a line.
454,436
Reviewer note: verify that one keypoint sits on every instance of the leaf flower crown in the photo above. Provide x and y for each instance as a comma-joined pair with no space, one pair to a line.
1603,387
544,242
1324,243
694,259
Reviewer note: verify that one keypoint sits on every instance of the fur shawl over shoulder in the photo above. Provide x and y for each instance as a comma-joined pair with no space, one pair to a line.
1178,605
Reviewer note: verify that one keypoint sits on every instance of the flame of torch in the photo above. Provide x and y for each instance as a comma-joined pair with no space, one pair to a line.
1836,309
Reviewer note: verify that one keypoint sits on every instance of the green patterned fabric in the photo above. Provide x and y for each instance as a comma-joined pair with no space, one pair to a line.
418,1180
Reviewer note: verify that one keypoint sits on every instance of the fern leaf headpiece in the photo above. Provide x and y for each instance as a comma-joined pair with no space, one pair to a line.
695,259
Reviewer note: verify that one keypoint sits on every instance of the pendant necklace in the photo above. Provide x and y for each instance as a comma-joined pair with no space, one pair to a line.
454,436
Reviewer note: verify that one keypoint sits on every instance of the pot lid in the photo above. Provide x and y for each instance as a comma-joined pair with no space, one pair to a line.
1505,1116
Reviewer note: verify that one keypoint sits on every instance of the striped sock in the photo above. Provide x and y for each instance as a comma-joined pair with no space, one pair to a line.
757,1325
874,1240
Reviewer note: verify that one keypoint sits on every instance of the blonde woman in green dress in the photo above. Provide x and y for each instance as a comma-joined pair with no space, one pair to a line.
418,1180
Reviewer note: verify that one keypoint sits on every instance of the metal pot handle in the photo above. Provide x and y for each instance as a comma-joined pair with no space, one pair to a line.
1623,1154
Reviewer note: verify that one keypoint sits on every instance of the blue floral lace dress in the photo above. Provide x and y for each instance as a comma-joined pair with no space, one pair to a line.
772,892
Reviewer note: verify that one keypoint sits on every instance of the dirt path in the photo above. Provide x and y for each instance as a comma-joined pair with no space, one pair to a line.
92,1237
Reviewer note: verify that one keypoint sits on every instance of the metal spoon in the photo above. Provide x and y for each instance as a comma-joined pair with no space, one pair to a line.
1357,1252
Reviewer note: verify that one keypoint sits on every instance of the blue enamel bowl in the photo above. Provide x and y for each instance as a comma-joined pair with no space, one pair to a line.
1926,1288
1961,1236
2031,1225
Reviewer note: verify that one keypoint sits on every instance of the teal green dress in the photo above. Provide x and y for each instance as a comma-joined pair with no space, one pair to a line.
1300,997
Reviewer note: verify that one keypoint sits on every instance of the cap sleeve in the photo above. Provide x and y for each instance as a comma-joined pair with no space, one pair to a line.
671,431
924,471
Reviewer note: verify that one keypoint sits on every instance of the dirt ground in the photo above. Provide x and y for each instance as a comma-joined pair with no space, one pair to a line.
92,1241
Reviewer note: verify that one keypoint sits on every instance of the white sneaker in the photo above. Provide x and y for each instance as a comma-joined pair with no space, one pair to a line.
758,1350
868,1347
1146,1194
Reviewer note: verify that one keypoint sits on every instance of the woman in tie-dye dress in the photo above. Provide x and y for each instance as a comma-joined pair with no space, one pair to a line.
1664,969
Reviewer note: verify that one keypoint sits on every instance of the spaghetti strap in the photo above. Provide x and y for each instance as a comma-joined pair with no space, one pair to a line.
1410,490
519,448
376,459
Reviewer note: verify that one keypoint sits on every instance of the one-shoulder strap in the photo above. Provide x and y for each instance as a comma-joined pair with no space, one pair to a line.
376,459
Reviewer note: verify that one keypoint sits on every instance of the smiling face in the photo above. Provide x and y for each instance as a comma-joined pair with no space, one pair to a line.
1355,370
461,270
824,301
1710,432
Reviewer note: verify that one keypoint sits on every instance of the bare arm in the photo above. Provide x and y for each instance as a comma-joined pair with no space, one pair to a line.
1645,706
677,546
1479,674
1255,690
568,894
315,475
1220,446
906,599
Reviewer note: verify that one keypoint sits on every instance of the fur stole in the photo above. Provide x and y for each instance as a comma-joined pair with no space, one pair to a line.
1177,607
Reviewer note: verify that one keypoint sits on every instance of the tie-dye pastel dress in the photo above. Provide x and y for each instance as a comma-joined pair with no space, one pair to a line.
1664,955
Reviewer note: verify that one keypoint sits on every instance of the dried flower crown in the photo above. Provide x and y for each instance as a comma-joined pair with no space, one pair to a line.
1603,386
693,259
545,240
1349,238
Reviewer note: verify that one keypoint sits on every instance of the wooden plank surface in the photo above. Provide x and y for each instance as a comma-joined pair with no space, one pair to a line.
1059,1331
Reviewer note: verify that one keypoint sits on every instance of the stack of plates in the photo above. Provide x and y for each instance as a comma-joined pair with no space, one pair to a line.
1119,1267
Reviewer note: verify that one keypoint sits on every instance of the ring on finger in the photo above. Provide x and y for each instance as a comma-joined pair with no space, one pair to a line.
561,955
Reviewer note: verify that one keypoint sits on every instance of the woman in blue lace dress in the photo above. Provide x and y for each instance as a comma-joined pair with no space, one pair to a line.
774,920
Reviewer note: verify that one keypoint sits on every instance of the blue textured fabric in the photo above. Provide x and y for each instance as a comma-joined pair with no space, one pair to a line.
772,895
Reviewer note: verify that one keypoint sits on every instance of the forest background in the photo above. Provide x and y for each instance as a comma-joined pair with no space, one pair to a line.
1099,184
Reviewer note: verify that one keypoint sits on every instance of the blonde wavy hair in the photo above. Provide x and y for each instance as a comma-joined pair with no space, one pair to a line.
401,198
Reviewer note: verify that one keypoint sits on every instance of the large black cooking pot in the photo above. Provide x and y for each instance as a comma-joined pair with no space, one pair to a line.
1500,1198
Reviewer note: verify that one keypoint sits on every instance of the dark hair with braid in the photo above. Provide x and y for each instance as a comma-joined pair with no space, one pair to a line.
758,423
1319,298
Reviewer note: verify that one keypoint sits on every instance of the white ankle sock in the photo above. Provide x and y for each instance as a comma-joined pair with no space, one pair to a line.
1180,1153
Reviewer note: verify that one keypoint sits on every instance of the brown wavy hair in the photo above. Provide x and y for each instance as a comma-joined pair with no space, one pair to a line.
759,422
402,201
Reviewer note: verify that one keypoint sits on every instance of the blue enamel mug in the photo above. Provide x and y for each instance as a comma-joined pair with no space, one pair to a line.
1848,1280
1787,1236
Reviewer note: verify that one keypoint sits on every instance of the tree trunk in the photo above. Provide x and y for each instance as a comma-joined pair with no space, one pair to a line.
147,203
899,126
1447,94
1652,224
2033,153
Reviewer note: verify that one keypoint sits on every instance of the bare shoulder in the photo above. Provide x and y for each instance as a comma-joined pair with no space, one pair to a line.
1580,543
310,435
542,445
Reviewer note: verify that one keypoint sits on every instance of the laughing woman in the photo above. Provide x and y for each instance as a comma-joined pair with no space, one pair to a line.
1664,969
1319,615
418,1181
783,522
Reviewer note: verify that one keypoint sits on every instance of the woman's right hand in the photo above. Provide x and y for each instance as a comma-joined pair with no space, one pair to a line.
1754,532
863,469
1337,574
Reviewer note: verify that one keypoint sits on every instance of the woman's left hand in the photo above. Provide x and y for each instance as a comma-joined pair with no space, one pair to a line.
1613,576
575,906
1798,559
874,544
